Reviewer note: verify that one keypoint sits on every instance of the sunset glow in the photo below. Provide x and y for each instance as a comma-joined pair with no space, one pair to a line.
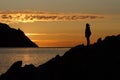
61,23
34,34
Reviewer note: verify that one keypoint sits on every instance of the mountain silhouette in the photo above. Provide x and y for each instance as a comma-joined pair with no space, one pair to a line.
98,61
10,37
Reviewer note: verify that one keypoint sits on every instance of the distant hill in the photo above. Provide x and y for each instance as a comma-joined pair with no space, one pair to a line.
10,37
98,61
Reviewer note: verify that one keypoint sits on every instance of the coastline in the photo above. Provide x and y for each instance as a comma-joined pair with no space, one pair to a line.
80,62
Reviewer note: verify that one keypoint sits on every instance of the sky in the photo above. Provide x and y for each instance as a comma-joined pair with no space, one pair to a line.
61,23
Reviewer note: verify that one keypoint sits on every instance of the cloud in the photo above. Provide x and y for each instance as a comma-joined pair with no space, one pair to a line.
35,34
25,17
53,34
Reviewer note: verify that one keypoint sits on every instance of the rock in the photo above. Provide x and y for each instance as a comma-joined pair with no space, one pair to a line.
10,37
13,72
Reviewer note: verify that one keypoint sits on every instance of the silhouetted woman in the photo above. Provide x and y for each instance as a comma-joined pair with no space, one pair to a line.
87,34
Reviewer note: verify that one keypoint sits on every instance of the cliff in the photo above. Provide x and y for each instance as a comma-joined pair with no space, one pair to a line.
98,61
10,37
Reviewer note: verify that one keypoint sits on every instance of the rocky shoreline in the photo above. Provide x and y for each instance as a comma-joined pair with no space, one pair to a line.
98,61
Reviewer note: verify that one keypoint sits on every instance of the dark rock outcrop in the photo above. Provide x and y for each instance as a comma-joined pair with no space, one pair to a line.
10,37
99,61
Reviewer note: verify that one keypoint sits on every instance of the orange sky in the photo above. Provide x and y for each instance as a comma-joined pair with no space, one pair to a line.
61,23
68,33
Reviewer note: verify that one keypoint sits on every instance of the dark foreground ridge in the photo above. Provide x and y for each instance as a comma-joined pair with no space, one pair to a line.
10,37
99,61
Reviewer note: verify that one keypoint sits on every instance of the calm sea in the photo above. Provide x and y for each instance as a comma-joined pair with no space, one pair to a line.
36,56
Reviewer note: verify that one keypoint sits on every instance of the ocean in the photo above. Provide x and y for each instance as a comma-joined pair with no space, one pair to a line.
35,56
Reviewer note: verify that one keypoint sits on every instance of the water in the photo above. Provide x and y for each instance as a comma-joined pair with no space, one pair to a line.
36,56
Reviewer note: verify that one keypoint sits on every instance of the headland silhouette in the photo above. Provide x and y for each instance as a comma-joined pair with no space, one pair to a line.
10,37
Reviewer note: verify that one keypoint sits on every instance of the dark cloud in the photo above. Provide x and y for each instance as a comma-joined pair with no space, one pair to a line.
44,16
